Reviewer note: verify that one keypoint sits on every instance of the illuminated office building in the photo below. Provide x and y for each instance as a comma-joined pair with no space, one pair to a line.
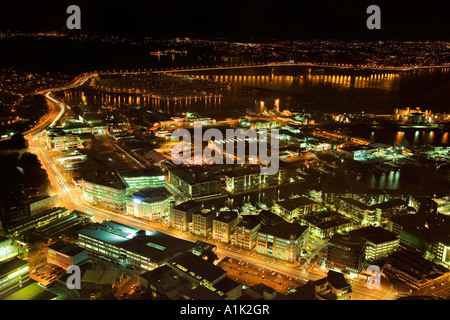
136,180
14,274
379,242
150,204
130,246
224,225
194,182
202,222
106,191
181,215
282,241
63,141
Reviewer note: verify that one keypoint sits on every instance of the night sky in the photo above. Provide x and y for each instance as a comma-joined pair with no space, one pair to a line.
238,19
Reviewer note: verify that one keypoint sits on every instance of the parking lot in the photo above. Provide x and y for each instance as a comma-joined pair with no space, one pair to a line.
250,274
45,273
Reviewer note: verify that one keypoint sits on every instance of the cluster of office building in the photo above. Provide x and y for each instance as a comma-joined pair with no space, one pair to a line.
198,182
266,233
139,193
75,133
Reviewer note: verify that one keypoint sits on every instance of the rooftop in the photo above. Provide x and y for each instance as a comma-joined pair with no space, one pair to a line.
70,249
292,204
152,194
226,216
193,175
355,148
105,179
326,219
284,230
415,266
429,227
143,172
249,221
155,245
374,234
11,265
193,265
356,203
390,204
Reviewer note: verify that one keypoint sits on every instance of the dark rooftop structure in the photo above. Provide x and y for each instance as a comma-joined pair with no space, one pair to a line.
356,148
249,221
267,217
193,175
108,179
70,249
284,230
332,287
187,205
152,194
226,216
326,219
429,227
390,204
347,241
356,203
262,291
197,268
11,265
292,204
414,270
203,293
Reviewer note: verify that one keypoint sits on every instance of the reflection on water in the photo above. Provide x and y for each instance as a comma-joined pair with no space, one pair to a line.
389,180
300,83
444,139
208,104
407,138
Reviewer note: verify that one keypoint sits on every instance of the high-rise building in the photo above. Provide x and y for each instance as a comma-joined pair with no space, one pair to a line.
136,180
333,287
181,215
345,253
282,241
14,274
224,225
202,222
247,232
